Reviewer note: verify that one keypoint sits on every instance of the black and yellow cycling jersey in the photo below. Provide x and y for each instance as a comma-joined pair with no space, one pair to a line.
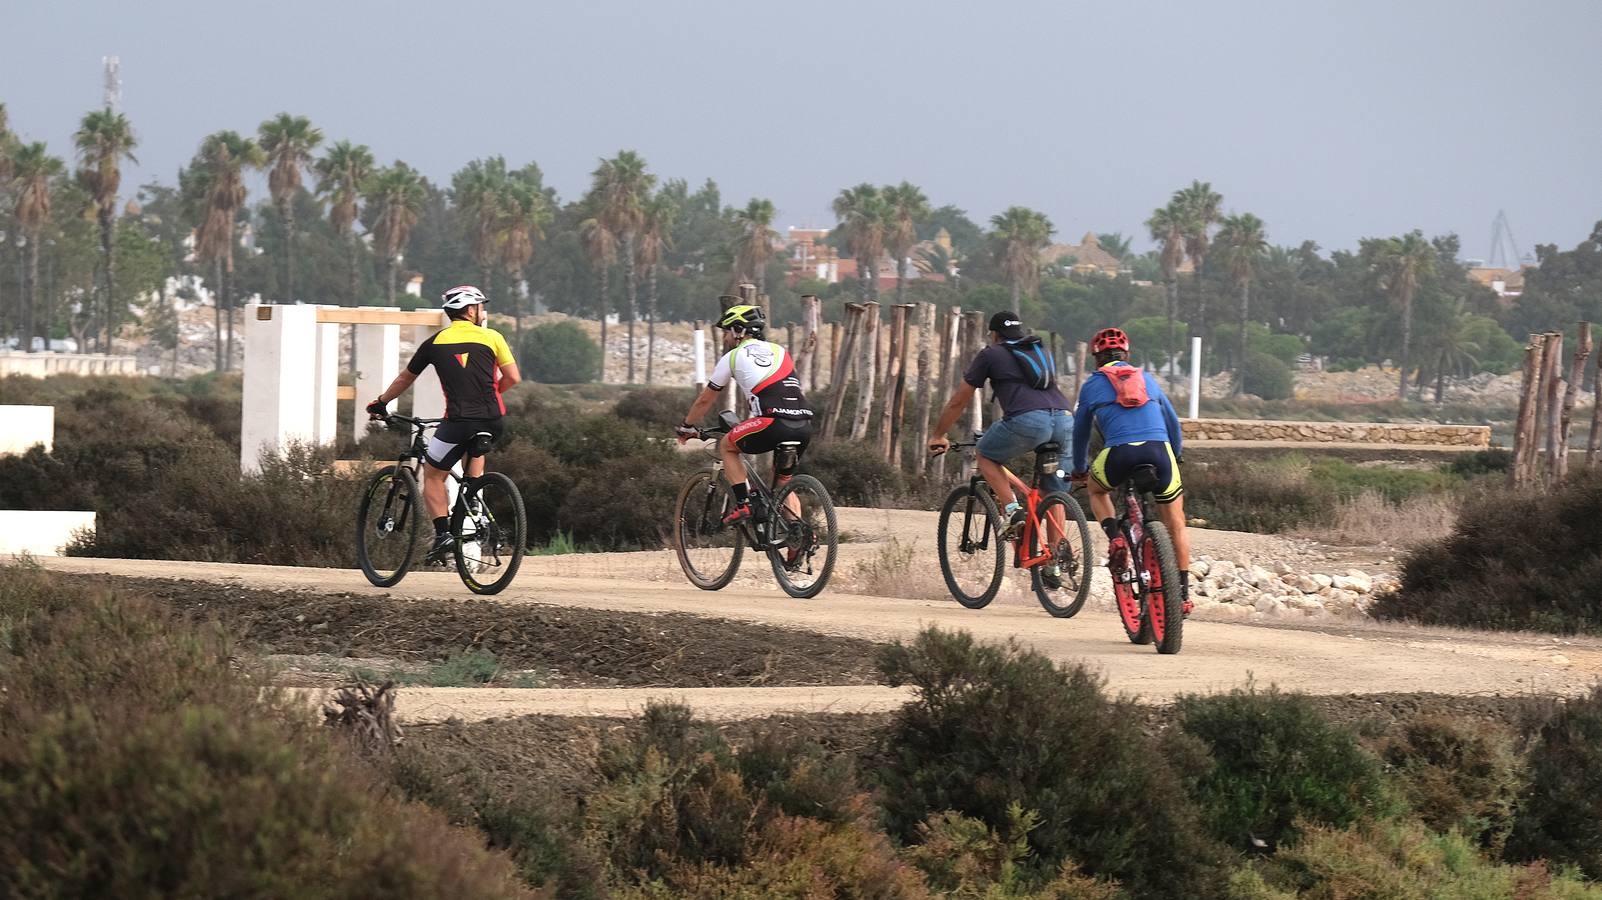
468,360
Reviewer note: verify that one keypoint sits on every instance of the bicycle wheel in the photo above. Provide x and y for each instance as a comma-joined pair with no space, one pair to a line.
972,553
1164,595
805,535
1063,592
491,533
387,526
1131,604
709,551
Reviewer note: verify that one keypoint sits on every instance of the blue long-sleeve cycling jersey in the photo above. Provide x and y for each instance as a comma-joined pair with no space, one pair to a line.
1098,403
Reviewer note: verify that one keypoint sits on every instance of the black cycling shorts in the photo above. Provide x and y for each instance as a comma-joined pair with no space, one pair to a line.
761,434
453,437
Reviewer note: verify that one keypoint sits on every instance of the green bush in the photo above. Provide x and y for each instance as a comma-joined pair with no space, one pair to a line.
1561,817
1491,461
1516,561
1458,775
1263,496
962,857
657,409
137,760
1277,763
1396,861
559,353
1268,377
995,728
854,473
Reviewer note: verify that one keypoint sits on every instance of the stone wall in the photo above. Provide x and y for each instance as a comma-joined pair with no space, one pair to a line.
40,365
1414,434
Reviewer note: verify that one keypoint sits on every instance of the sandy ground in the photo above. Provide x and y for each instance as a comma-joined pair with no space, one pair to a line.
1325,657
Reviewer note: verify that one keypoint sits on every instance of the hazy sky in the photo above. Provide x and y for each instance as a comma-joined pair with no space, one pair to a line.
1330,120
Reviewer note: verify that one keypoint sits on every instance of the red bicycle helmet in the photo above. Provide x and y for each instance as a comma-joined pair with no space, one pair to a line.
1109,339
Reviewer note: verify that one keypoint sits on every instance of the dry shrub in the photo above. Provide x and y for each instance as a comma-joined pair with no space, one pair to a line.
1463,775
136,760
1396,860
892,572
1561,817
1370,519
964,858
995,726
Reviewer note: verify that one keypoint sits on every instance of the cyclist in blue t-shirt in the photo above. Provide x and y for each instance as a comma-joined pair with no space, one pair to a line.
1138,427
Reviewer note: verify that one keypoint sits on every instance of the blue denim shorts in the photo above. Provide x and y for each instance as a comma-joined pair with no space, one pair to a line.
1017,435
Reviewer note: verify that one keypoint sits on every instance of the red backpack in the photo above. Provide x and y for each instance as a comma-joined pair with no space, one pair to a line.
1129,382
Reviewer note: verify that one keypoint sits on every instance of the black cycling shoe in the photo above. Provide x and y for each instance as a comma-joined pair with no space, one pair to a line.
440,553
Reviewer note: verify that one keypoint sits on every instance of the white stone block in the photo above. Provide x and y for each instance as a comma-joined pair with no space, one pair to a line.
325,390
41,532
377,362
280,373
26,426
428,399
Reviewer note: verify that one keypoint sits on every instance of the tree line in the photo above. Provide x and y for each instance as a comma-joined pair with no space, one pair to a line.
337,226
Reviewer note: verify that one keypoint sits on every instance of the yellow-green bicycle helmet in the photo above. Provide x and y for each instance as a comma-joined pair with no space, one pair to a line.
743,317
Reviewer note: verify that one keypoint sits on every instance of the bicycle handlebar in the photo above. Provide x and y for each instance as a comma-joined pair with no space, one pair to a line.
394,418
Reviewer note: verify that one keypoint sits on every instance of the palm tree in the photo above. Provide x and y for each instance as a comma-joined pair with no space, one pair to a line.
476,191
32,169
863,216
340,175
1455,350
1200,205
622,185
655,237
1116,243
1167,228
753,247
394,204
937,260
1401,262
287,142
907,208
600,247
103,140
1243,242
1018,237
222,161
523,209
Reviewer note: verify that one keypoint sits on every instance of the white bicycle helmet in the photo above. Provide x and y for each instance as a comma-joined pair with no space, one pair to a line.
461,297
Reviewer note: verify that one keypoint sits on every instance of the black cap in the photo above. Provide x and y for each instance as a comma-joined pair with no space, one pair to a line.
1007,325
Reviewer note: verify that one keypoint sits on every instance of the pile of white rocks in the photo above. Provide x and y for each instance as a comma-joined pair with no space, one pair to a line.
1240,588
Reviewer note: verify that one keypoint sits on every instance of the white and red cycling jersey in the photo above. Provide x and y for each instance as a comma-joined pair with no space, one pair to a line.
766,372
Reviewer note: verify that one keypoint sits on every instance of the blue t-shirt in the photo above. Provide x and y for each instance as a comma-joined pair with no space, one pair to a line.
1098,402
1007,381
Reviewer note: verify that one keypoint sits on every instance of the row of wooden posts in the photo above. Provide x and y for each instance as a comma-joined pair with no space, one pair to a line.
1546,410
854,354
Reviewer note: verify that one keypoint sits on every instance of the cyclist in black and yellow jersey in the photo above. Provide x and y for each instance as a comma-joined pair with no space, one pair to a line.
475,367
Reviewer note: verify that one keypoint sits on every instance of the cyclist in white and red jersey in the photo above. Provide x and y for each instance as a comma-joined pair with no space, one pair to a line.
765,371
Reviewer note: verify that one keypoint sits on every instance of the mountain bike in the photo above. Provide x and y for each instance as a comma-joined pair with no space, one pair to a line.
488,522
1052,543
794,525
1146,585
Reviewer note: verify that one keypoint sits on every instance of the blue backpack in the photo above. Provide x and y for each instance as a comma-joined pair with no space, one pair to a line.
1039,369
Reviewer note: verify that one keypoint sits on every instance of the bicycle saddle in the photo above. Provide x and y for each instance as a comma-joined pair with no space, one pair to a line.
482,443
1145,479
1049,447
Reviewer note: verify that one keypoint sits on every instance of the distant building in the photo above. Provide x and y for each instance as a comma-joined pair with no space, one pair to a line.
1084,258
811,258
1507,283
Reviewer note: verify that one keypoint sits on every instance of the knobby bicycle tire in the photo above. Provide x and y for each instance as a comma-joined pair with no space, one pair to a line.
1078,562
829,544
698,520
1168,625
989,518
405,527
1130,600
511,547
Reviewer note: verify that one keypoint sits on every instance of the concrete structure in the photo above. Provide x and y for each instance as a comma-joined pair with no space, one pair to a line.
41,365
1467,437
42,532
292,390
22,427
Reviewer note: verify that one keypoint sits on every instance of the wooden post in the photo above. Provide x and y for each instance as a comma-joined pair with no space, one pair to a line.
1529,407
950,371
834,349
976,343
842,359
901,348
807,358
1594,445
867,358
1571,392
767,306
1079,371
1551,394
926,382
892,376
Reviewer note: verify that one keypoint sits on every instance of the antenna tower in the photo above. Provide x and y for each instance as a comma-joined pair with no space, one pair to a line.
1504,248
112,68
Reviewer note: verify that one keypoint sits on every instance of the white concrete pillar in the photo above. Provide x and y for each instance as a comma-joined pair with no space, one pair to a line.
280,371
700,358
1195,378
325,397
428,399
377,362
26,426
